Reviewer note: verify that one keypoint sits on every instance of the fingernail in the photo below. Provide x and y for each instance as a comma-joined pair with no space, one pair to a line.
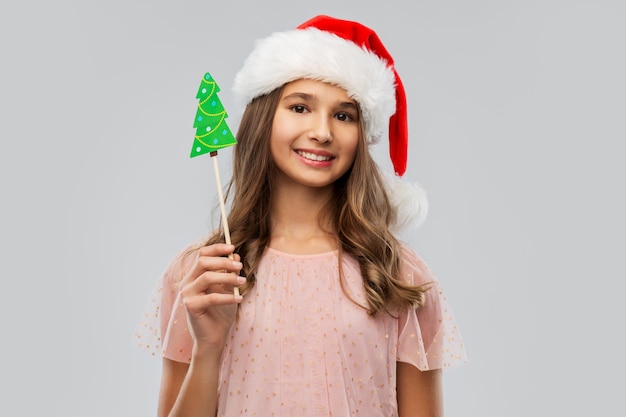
241,280
237,264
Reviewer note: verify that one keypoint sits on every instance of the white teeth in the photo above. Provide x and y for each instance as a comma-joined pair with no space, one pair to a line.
314,157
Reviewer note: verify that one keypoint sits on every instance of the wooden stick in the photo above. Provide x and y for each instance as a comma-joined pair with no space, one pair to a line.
222,207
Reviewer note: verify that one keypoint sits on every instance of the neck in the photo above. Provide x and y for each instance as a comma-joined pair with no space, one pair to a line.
297,224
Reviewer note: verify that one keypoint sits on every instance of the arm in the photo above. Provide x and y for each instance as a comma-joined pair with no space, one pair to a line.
172,377
191,390
419,392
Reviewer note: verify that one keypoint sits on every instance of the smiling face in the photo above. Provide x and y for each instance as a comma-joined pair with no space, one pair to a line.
315,134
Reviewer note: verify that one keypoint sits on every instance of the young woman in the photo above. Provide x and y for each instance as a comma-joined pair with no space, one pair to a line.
336,316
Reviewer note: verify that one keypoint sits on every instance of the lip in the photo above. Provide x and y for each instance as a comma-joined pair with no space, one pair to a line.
313,162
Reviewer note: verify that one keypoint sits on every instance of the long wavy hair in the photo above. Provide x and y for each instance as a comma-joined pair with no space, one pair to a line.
359,214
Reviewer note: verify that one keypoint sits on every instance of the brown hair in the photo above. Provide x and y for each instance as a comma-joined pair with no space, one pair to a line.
360,212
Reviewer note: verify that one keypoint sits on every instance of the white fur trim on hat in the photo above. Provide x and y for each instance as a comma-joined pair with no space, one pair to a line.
319,55
410,202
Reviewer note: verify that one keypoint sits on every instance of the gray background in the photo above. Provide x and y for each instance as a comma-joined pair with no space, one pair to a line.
517,133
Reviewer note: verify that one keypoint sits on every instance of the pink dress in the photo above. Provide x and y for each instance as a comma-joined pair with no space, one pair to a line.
301,347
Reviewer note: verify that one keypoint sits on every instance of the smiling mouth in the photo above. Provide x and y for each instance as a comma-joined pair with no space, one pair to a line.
314,157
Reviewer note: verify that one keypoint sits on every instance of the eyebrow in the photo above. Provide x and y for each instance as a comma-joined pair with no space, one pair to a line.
309,97
301,96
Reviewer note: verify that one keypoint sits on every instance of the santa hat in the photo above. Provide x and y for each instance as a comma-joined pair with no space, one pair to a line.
352,56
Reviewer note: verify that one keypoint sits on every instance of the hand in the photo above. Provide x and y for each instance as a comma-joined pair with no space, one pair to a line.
207,294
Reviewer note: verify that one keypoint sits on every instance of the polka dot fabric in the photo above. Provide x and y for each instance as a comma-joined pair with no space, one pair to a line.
301,347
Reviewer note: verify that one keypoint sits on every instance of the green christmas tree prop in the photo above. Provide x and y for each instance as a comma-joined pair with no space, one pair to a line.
212,132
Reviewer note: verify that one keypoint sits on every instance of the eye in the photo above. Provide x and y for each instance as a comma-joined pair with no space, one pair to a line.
344,117
298,108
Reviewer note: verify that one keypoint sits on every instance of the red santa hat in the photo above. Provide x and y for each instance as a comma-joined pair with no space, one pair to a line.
343,53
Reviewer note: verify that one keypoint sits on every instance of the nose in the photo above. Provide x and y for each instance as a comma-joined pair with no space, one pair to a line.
321,129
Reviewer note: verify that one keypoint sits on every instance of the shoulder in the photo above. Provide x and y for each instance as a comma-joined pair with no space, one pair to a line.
182,261
413,268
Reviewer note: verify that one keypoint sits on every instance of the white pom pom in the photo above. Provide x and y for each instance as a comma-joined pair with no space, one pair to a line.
410,202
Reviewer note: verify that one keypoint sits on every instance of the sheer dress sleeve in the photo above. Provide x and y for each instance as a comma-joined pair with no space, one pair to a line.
163,329
428,337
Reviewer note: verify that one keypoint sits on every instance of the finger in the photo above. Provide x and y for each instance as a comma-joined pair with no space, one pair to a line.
211,281
212,263
198,304
215,264
217,249
220,249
